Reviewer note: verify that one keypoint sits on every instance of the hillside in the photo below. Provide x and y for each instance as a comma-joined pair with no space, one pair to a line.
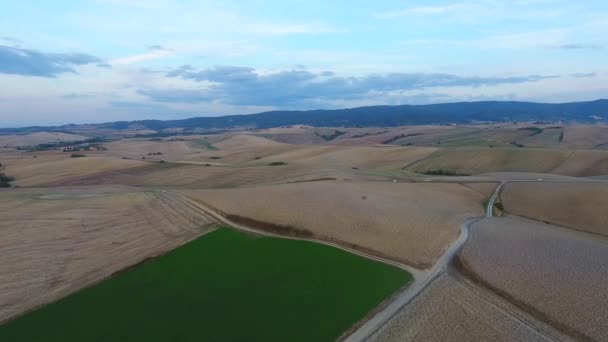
446,113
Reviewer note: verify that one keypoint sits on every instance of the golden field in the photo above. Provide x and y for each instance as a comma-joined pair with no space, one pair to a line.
558,275
409,222
578,205
56,241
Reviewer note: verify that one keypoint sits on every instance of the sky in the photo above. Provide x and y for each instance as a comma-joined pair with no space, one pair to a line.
93,61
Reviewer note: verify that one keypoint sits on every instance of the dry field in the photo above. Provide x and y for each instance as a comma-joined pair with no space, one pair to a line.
586,136
54,242
410,222
50,168
584,164
33,139
558,275
469,160
578,205
450,311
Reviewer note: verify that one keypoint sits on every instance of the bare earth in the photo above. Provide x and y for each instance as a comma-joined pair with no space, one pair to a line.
54,242
559,275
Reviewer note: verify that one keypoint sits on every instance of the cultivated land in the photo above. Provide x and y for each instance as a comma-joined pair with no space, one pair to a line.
56,241
409,222
16,140
581,206
48,169
556,274
225,286
450,311
399,195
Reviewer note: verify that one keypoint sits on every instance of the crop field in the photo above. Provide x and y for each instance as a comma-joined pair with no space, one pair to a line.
586,136
410,222
56,241
224,286
584,164
578,205
483,160
49,168
450,311
33,139
558,275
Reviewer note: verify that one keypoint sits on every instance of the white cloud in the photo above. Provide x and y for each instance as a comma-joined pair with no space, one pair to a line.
154,54
422,10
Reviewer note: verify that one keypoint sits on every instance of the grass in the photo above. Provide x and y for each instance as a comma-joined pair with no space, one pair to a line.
224,286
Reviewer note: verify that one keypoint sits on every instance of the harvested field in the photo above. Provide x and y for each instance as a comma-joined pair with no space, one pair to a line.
34,139
578,205
54,242
586,136
224,286
558,275
486,189
472,160
178,175
409,222
584,164
47,169
483,160
149,149
449,311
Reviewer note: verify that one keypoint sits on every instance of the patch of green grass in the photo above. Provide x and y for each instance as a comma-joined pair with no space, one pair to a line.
224,286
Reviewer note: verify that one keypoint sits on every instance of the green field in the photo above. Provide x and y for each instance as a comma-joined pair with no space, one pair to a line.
224,286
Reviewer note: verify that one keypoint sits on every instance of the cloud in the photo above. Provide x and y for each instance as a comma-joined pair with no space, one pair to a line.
17,61
14,42
575,46
430,10
156,52
584,75
288,29
157,47
238,85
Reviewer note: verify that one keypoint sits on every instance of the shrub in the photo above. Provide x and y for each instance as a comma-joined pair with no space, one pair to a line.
77,155
441,172
279,163
5,180
215,157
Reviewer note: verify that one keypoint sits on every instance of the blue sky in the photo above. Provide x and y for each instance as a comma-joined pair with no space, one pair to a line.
106,60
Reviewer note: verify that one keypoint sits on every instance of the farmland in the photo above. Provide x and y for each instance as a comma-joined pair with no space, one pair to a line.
532,264
399,195
73,238
271,289
392,220
449,311
581,206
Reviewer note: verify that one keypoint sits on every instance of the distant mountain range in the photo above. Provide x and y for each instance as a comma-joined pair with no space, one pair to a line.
447,113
